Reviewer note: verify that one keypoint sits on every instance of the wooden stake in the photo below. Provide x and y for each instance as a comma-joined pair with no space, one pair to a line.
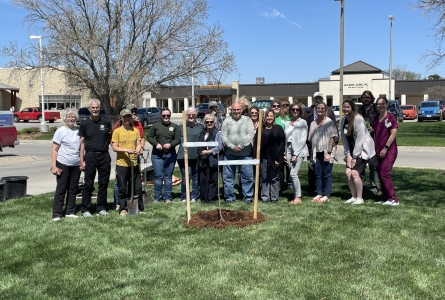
186,162
257,167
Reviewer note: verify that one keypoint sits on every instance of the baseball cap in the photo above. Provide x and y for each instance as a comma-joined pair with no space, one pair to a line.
125,112
318,94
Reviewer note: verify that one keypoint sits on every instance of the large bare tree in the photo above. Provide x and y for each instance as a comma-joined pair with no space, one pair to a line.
119,49
434,9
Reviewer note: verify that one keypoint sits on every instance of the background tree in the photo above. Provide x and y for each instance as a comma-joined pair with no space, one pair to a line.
401,73
119,49
434,9
434,76
436,92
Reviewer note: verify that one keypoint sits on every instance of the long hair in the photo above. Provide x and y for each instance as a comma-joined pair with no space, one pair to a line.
300,106
351,119
269,110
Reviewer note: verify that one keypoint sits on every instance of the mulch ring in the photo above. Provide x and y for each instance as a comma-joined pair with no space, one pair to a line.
234,218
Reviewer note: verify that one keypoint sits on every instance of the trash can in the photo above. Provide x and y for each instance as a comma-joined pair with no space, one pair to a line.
15,186
2,190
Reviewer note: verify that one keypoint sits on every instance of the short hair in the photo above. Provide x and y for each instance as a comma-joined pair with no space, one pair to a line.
325,107
209,117
93,100
166,108
191,108
134,110
69,111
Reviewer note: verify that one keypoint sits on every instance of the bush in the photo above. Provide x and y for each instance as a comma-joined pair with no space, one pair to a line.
29,130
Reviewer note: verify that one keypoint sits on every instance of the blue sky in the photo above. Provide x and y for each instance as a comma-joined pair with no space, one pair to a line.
299,40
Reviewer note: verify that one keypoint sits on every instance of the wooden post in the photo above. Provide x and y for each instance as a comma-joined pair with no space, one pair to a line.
257,167
186,163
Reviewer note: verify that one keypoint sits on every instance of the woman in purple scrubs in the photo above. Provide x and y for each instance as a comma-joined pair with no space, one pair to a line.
385,130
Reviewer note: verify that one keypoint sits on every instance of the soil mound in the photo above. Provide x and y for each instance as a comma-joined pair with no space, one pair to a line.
213,219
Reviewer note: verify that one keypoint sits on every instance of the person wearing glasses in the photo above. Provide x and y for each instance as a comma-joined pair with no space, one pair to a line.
385,129
208,160
323,136
193,130
237,134
95,137
126,142
368,111
164,136
65,161
310,116
358,148
296,150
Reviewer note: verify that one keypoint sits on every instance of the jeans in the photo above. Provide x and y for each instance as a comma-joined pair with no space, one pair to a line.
373,178
294,169
246,174
323,175
163,166
193,176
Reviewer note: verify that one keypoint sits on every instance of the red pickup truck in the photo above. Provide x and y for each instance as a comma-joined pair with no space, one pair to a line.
8,132
35,113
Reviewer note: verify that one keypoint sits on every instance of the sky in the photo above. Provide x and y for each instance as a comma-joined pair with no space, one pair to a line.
299,40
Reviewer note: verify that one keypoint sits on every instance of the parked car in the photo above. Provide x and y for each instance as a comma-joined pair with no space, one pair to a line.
394,108
262,104
442,105
35,113
8,132
84,114
149,115
429,110
336,110
409,111
203,108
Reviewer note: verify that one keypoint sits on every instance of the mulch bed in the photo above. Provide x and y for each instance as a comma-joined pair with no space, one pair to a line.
234,218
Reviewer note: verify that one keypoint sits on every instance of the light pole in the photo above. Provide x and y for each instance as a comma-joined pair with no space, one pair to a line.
342,42
43,126
391,18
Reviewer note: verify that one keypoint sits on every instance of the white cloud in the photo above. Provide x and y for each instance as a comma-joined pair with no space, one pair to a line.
272,13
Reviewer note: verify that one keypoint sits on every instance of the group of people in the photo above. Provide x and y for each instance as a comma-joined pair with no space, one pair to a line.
288,136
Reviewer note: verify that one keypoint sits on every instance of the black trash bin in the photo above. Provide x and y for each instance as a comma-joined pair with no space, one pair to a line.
15,186
2,190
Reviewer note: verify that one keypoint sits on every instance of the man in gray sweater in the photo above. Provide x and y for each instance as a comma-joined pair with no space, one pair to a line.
237,134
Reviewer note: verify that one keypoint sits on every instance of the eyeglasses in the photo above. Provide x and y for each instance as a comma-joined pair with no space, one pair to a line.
366,97
253,113
275,106
191,115
295,109
381,104
166,116
209,122
286,105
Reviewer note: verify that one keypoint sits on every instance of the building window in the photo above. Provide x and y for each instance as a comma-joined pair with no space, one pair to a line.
59,102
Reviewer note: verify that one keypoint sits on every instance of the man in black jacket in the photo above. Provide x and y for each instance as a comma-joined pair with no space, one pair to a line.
310,116
368,112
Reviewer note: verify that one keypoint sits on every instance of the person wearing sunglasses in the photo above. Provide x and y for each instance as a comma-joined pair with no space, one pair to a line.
296,134
208,160
193,130
237,134
323,136
310,116
164,136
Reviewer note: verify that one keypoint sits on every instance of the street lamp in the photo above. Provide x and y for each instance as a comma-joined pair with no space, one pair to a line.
391,18
43,126
342,42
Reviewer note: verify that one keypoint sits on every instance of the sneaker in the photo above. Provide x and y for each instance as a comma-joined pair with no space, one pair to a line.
123,213
193,201
71,216
358,201
142,213
350,200
391,203
168,201
87,214
155,201
103,213
56,219
118,207
184,200
378,202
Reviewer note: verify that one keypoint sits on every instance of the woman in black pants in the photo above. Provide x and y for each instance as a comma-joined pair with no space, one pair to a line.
208,160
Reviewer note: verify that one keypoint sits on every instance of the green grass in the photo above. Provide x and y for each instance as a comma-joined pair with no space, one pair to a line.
425,134
311,251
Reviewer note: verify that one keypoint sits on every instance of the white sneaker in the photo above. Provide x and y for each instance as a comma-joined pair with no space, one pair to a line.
102,213
193,201
56,219
71,216
350,200
184,200
358,201
391,203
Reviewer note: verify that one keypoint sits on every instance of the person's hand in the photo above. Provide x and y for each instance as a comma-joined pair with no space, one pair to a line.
294,159
237,149
55,170
327,157
82,165
166,146
383,153
159,147
371,129
277,164
349,161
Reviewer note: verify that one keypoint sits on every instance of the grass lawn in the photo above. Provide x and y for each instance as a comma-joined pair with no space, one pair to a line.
311,251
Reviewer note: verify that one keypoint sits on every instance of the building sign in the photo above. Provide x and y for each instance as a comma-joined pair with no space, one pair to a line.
356,85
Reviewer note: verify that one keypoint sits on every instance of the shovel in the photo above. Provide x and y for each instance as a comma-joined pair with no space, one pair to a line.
146,193
132,205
